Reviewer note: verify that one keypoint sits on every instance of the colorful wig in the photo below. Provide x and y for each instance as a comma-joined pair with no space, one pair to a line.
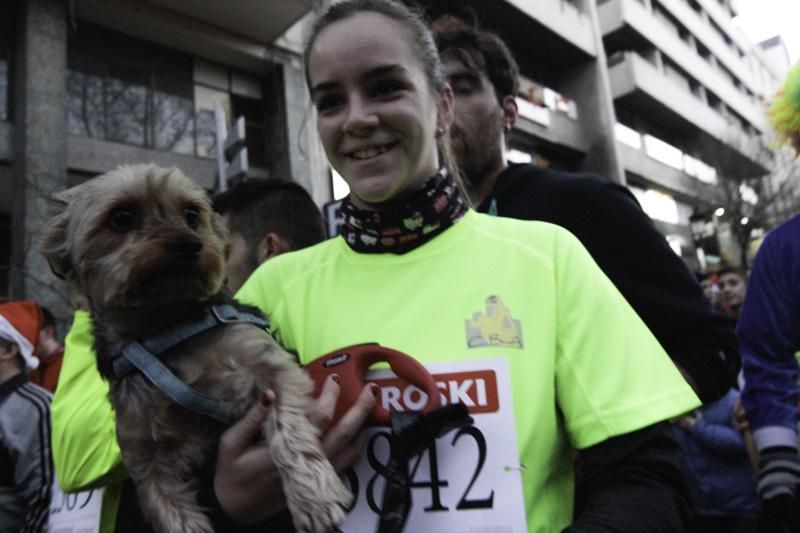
785,109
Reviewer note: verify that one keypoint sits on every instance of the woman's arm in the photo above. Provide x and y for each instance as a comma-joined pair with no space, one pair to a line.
85,449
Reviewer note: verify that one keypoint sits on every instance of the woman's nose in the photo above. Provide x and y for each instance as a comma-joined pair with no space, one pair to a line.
360,118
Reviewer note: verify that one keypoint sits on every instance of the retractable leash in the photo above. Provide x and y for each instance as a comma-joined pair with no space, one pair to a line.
412,432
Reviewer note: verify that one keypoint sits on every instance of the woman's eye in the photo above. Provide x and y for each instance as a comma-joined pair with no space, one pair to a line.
327,102
192,215
122,219
387,87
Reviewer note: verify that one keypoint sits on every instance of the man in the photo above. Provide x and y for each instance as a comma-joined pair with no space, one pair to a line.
266,218
603,215
621,487
50,354
769,335
26,466
732,286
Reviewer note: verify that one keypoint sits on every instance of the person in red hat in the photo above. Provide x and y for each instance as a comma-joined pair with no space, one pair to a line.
50,354
26,465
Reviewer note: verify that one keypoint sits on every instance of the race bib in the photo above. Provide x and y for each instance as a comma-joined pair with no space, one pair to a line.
75,512
470,481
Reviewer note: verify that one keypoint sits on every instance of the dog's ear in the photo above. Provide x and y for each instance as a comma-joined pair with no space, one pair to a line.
53,237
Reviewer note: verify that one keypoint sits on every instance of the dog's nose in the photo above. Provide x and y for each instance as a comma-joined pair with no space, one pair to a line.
186,247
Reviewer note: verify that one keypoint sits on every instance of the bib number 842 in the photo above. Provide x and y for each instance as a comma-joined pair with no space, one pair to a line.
468,500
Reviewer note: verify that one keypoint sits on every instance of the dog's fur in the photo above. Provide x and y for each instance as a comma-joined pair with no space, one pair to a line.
144,246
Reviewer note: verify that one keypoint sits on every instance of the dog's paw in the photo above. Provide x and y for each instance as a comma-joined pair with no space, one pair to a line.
184,520
322,508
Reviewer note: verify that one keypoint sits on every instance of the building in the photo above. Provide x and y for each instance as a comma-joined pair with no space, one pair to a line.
776,54
679,84
85,86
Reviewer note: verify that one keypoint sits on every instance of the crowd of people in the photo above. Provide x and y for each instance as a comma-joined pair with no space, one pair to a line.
469,264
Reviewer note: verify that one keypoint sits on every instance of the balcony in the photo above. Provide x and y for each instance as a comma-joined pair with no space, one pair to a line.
242,36
663,176
554,129
259,20
627,24
562,18
95,156
545,36
705,34
642,89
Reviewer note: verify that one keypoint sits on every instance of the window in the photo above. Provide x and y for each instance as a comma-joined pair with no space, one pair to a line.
238,94
126,90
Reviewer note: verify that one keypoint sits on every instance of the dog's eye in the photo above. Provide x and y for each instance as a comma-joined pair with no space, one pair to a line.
192,214
122,219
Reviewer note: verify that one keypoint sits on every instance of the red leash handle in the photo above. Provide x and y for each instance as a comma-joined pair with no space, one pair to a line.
351,365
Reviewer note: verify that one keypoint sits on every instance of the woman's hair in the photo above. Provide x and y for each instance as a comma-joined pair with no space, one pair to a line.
423,45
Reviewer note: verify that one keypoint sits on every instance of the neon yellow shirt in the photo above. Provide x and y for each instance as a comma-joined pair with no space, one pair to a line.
84,441
581,361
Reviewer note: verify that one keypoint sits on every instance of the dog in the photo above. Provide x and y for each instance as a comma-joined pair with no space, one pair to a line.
142,243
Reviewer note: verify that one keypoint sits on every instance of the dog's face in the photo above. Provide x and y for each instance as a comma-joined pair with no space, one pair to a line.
137,236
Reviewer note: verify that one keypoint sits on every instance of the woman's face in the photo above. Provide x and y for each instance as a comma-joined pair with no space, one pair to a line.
377,116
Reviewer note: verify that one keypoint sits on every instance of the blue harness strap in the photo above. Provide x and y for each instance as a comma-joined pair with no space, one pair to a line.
144,357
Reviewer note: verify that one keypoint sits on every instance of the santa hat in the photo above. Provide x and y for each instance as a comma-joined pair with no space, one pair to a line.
20,323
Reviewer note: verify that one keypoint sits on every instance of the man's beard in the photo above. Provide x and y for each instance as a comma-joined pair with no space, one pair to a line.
473,161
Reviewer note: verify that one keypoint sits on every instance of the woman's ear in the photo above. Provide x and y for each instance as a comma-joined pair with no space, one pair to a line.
445,113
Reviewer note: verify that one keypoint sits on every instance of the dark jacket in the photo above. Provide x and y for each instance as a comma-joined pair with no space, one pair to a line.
721,480
626,245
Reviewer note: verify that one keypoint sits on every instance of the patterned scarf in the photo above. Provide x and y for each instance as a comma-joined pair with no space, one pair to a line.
430,211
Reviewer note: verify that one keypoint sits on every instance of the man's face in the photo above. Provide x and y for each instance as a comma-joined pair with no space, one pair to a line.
241,260
477,132
733,288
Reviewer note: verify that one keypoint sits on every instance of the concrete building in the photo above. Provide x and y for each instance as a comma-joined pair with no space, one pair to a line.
86,86
663,95
681,88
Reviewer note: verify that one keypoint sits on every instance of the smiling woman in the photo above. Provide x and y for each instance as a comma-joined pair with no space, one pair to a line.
377,111
510,313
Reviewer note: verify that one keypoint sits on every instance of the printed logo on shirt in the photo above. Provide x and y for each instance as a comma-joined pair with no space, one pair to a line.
495,327
477,390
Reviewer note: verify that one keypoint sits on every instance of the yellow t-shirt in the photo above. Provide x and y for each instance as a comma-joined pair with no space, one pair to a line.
582,364
85,450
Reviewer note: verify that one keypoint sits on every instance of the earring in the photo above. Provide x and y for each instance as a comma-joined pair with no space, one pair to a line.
440,131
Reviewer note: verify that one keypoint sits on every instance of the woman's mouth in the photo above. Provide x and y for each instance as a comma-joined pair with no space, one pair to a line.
369,153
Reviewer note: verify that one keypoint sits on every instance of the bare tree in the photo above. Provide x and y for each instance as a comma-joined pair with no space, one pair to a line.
760,202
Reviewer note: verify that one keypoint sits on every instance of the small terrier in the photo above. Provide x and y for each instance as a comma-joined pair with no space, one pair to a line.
142,243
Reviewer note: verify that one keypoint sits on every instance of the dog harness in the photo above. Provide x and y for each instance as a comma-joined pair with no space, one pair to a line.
144,357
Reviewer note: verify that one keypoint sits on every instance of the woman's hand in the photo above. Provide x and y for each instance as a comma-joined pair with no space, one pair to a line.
246,482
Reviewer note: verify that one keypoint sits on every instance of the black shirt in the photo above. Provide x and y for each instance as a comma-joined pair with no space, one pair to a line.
626,245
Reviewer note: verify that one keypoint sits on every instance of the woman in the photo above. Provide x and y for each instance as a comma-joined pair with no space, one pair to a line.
519,302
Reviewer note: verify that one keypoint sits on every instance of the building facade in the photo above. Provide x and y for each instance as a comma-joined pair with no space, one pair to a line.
86,86
665,96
